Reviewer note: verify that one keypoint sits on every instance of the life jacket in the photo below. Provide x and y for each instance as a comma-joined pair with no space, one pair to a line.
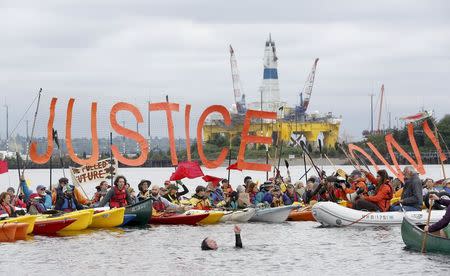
143,196
277,202
173,199
8,208
119,199
69,205
388,197
158,205
200,203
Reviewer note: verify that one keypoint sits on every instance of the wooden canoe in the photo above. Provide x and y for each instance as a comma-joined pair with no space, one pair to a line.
143,212
413,234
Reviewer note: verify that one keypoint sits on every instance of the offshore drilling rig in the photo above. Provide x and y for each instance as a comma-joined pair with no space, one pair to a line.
293,122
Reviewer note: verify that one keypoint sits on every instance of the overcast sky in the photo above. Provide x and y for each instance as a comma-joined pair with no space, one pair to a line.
131,51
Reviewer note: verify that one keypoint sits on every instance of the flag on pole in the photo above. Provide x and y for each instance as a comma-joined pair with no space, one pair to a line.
189,169
233,167
214,180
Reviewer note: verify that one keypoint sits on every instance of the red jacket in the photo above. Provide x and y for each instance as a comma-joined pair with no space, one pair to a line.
383,194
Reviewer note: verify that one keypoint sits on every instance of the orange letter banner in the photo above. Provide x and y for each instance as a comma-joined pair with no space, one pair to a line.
187,114
227,120
128,133
168,107
246,139
434,140
34,156
95,151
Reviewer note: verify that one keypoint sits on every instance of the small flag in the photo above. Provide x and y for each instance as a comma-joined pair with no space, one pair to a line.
214,180
3,166
233,167
189,169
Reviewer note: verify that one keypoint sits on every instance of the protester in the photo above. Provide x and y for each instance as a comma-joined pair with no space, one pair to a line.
132,194
216,196
5,205
210,244
102,189
411,199
381,200
292,194
275,198
118,195
428,186
38,202
160,204
445,220
65,199
173,195
16,201
252,190
144,191
63,181
199,200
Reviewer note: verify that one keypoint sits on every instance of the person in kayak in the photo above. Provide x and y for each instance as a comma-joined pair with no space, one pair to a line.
199,200
275,198
173,195
292,194
445,220
161,204
5,206
210,244
132,194
62,182
252,190
144,191
38,202
66,201
16,201
118,195
226,187
263,190
411,199
102,190
381,200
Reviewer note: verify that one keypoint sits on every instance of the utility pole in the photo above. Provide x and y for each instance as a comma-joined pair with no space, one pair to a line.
371,113
7,128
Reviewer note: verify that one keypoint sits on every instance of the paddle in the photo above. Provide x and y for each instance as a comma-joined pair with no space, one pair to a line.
305,174
305,150
425,233
286,163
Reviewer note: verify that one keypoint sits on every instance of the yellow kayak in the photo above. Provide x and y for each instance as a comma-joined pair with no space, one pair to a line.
30,219
108,219
212,218
83,219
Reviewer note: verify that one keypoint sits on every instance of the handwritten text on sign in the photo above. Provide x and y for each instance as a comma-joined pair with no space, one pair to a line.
102,170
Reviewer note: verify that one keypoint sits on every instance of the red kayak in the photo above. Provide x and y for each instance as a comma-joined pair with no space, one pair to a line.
51,227
172,218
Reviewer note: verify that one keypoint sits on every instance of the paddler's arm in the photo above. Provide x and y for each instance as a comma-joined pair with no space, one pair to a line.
106,198
26,191
237,233
185,189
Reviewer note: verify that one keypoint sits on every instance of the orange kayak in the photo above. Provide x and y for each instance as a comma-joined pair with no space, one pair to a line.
21,231
7,232
299,215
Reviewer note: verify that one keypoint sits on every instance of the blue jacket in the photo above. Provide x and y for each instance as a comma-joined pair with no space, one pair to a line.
259,198
28,192
269,199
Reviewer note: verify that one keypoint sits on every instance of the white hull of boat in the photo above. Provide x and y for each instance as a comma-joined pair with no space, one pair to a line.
274,215
239,216
335,215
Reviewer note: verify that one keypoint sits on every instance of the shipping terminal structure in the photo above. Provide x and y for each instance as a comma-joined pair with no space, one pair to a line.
293,123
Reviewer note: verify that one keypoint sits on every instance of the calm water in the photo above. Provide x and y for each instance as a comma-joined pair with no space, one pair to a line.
277,249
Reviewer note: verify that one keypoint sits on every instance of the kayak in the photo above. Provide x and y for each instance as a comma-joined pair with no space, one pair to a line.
243,215
30,219
83,219
7,232
127,218
174,218
301,215
50,227
109,218
332,214
212,218
142,210
273,214
21,230
413,234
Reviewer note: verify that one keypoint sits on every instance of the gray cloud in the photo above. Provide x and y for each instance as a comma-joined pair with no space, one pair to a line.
131,51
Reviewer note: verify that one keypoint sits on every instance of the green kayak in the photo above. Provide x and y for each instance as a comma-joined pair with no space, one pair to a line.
412,236
143,212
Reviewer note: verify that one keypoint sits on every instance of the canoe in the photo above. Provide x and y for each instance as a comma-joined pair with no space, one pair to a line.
83,219
50,227
127,218
412,236
301,215
273,215
30,219
332,214
143,212
177,219
21,230
212,218
7,232
243,215
108,219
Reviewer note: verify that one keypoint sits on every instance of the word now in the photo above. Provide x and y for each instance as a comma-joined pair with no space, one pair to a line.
168,107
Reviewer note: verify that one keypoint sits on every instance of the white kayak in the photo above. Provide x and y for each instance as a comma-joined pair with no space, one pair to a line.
335,215
275,214
243,215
